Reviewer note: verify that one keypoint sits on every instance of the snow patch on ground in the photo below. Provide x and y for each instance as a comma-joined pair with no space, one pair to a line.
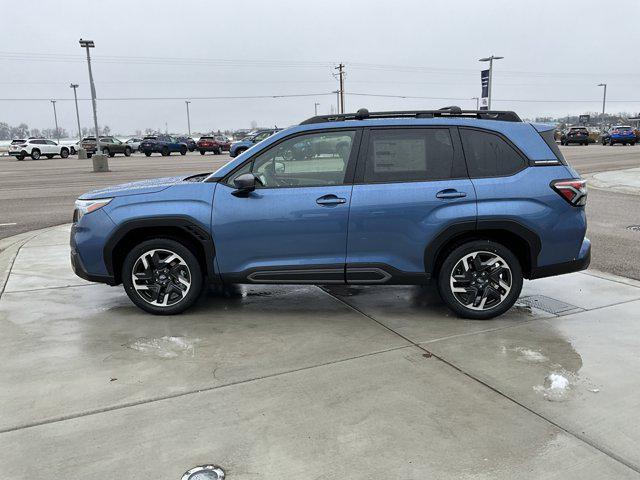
166,347
556,388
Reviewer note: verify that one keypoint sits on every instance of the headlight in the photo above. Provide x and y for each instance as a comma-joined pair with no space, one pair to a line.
87,206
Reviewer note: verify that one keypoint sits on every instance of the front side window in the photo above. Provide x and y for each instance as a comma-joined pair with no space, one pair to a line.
310,160
261,136
409,155
488,155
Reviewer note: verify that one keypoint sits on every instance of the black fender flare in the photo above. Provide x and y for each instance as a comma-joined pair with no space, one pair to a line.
460,229
189,225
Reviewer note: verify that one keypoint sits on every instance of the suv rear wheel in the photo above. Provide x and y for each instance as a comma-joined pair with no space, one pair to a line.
162,276
480,280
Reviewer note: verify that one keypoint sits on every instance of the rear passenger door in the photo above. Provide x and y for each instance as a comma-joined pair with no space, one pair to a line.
411,184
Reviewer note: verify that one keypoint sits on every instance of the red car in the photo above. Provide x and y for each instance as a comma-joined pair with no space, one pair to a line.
208,143
224,142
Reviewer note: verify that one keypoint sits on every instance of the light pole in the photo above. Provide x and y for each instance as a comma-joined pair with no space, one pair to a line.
187,102
477,99
100,164
75,97
604,103
55,117
315,108
490,60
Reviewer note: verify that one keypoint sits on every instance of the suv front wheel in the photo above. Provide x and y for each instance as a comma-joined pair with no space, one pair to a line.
480,280
162,276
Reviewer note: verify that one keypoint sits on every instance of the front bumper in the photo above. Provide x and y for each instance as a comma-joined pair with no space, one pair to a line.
581,262
87,244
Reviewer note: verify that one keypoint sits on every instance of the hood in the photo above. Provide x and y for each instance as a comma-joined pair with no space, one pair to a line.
134,188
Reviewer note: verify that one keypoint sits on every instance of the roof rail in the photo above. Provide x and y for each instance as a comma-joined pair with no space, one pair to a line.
452,111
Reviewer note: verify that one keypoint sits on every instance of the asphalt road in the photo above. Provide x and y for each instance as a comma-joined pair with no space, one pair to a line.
38,194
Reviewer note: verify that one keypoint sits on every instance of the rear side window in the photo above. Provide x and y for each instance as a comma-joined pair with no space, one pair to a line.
549,138
409,155
488,155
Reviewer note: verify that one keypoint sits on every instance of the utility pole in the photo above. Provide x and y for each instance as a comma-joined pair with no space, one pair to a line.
100,163
340,69
315,108
55,117
490,60
604,103
187,102
75,97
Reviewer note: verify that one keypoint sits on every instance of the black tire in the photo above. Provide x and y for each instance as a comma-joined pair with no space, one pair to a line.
165,151
106,152
202,152
183,150
217,151
191,149
147,153
240,151
49,156
193,270
64,153
73,151
19,157
482,281
127,151
35,154
89,155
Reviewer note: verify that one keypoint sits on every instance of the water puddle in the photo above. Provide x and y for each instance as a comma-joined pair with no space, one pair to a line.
166,347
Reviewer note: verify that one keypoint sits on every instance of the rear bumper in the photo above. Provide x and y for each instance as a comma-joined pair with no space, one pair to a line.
579,263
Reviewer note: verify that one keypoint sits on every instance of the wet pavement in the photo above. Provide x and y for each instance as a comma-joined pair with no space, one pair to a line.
299,382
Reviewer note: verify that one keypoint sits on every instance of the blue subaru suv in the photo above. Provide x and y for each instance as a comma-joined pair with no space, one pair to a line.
475,200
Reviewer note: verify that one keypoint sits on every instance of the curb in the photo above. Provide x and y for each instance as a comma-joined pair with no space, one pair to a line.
594,181
9,249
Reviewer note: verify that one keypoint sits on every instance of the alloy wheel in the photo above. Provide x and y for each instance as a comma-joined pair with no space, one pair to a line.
161,277
481,280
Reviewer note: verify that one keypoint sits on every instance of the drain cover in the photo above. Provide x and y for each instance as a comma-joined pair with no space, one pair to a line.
547,304
204,472
634,228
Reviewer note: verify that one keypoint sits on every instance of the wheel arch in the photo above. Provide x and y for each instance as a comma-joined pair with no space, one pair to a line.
524,243
181,229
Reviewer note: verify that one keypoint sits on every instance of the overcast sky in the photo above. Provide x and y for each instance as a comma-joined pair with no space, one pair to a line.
555,55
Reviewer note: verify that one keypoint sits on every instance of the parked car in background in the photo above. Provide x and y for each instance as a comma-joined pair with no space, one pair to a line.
37,147
224,141
162,144
109,145
623,134
577,134
208,143
134,143
246,143
476,201
189,142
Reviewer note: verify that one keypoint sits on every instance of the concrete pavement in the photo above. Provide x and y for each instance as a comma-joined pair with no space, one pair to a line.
277,382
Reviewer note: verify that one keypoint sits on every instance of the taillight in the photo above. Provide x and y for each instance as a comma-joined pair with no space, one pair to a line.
573,191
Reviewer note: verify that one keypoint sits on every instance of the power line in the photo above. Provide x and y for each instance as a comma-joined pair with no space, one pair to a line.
220,97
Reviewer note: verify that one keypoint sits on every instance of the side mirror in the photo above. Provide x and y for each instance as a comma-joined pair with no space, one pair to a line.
245,184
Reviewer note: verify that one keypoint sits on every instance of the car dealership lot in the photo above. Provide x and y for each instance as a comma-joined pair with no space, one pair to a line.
285,382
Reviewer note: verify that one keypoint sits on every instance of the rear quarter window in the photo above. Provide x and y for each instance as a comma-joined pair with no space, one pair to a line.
550,140
489,155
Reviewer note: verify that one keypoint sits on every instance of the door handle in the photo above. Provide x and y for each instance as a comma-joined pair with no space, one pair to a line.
450,193
328,200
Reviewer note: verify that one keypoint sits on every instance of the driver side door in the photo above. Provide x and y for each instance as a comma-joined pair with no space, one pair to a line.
293,227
